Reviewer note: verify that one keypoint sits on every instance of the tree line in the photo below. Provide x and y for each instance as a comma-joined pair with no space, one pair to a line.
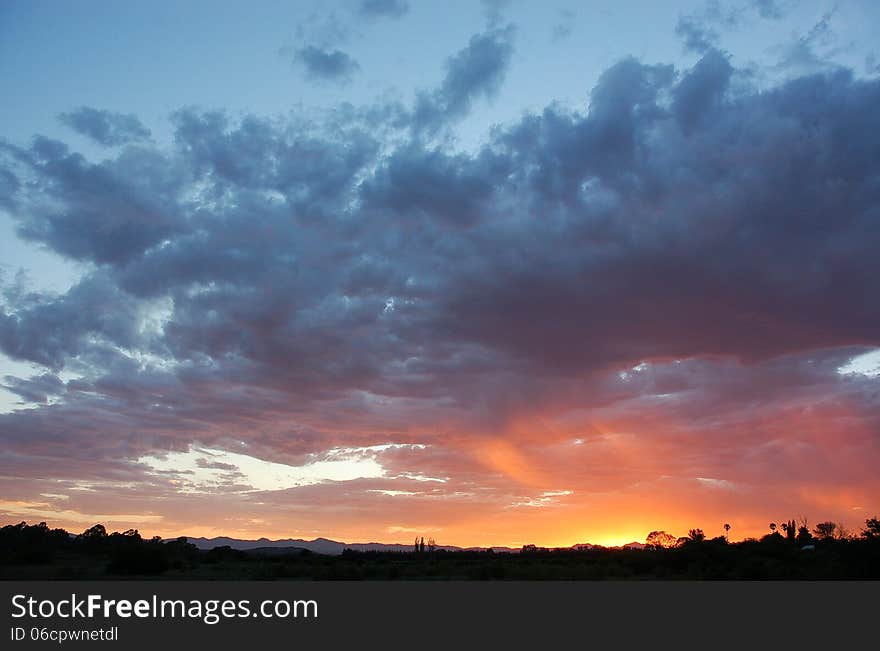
792,550
797,532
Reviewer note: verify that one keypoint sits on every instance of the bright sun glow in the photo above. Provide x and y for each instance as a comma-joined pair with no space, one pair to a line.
206,469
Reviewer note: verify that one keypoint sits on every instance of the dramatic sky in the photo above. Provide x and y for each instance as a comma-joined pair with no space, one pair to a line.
487,272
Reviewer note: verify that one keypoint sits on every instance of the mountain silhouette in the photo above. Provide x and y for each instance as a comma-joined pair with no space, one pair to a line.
321,545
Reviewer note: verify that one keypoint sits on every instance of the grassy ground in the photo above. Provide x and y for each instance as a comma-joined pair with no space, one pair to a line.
835,560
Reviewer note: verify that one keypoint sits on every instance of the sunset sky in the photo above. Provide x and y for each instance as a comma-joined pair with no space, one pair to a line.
498,273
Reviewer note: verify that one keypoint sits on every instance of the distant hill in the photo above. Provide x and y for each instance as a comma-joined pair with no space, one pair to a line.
320,545
334,547
634,545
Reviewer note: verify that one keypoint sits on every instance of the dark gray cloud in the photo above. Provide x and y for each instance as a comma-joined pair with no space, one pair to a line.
104,127
38,388
383,8
326,64
415,184
102,212
50,330
701,89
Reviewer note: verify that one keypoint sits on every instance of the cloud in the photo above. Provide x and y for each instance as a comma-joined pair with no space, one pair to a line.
42,511
810,52
475,71
703,28
36,389
702,89
100,212
383,8
326,64
104,127
695,35
48,330
415,184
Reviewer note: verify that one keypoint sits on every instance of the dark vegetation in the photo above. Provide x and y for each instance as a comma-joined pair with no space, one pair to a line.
826,552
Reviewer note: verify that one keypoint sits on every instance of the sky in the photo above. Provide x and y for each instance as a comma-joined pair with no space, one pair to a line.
493,272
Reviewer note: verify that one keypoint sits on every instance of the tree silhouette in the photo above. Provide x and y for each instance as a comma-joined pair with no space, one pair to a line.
825,530
726,531
772,527
804,537
872,529
696,535
661,540
790,529
96,532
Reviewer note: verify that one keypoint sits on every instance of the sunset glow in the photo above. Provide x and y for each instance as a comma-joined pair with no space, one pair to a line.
520,277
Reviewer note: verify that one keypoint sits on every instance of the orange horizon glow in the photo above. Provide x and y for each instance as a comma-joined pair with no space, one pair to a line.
560,535
547,479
